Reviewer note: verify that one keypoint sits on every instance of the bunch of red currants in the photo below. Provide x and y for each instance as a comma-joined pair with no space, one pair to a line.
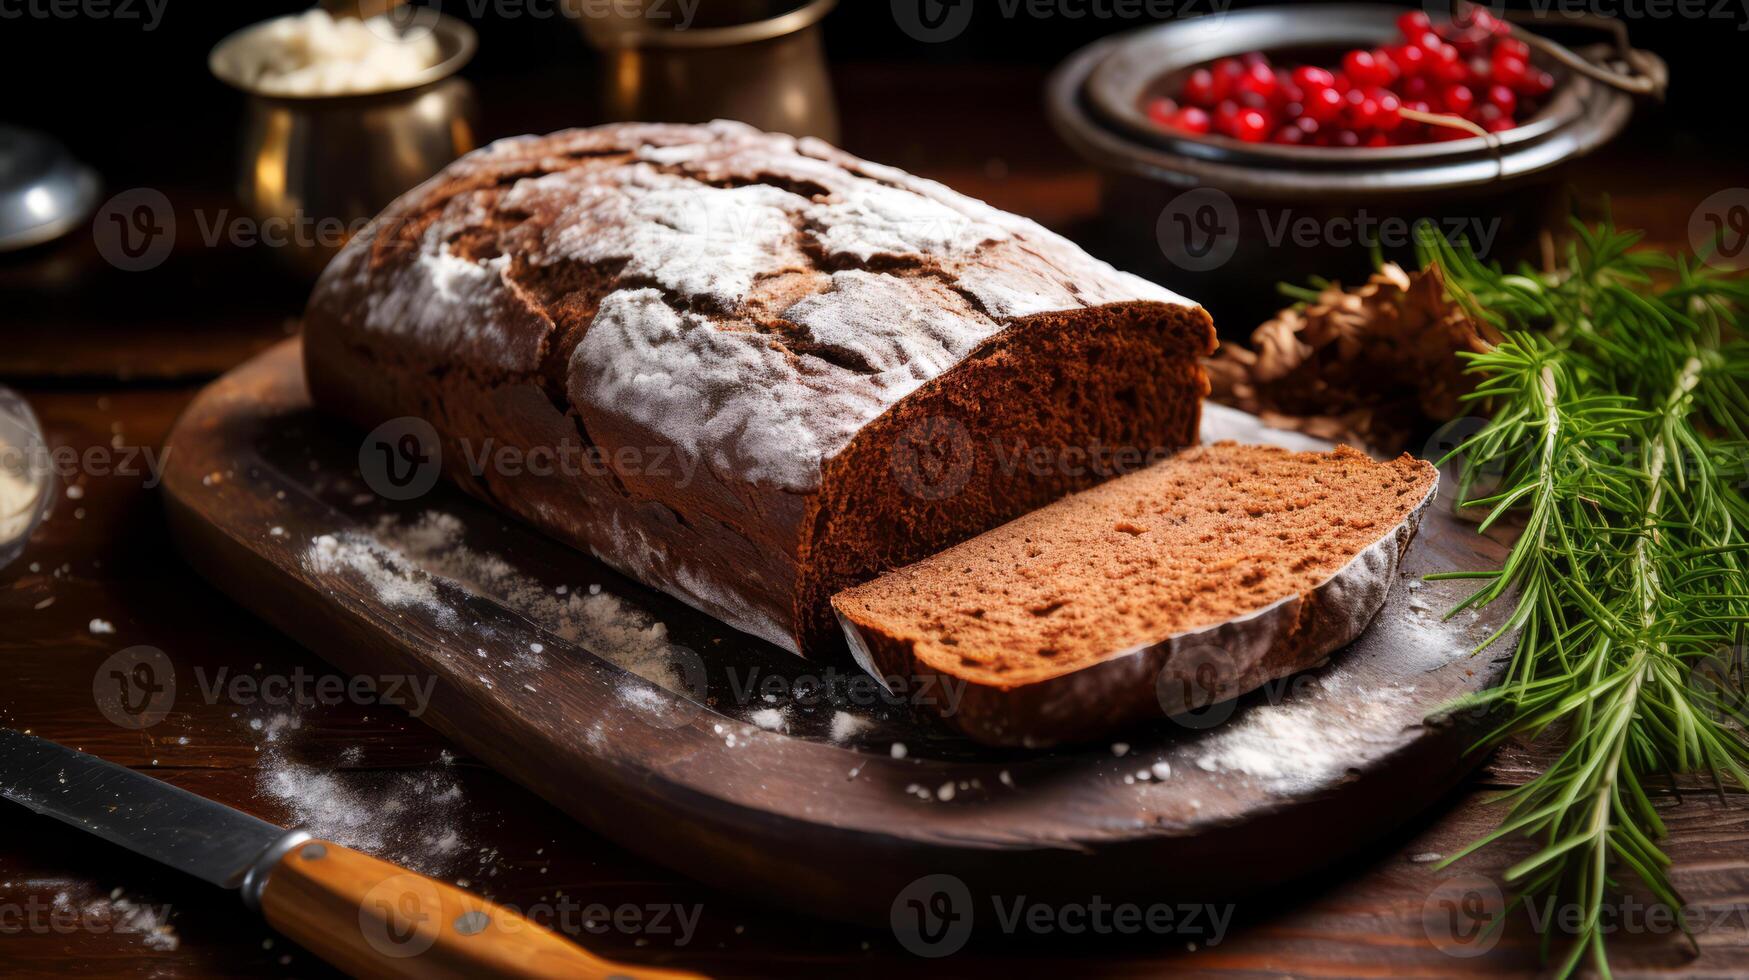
1469,67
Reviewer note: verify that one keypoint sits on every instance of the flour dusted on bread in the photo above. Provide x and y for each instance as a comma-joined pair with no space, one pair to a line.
785,315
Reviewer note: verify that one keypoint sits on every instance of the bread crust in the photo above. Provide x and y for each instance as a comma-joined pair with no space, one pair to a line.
742,331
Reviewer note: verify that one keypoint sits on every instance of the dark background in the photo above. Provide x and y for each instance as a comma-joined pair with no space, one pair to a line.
140,105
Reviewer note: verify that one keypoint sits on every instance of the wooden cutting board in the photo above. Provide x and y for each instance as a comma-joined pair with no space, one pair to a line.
796,781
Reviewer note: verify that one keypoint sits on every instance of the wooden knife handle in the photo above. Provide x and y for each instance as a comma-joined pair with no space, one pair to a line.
373,919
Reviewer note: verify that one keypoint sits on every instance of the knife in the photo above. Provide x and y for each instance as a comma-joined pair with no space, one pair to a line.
365,916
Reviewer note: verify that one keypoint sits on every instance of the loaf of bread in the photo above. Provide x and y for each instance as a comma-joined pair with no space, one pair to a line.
775,369
1164,591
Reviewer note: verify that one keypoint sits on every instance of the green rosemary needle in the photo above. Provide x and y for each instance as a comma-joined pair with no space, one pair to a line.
1616,430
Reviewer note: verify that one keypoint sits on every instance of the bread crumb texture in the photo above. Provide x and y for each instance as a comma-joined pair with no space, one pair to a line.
1213,534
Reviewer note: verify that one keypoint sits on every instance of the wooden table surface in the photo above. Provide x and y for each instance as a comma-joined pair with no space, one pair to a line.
109,359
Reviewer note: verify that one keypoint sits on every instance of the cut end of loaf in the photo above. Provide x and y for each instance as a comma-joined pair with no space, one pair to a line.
1210,537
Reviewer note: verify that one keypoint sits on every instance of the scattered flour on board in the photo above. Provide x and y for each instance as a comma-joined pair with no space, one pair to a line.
415,819
402,562
385,572
1304,741
116,913
770,719
846,726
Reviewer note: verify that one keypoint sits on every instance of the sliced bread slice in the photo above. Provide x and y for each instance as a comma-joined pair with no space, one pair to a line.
1160,592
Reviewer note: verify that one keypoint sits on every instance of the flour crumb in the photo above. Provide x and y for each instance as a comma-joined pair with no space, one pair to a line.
899,750
101,626
412,818
1304,741
846,726
770,719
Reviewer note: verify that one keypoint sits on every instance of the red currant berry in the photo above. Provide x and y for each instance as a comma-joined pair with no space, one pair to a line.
1365,116
1199,88
1416,88
1259,80
1346,138
1323,104
1388,117
1288,136
1411,60
1500,125
1364,68
1539,83
1226,114
1378,139
1193,120
1414,23
1503,97
1309,77
1226,72
1449,65
1162,111
1459,99
1251,126
1511,47
1511,71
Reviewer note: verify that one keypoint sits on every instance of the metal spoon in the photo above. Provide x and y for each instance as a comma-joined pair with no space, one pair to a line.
26,479
44,192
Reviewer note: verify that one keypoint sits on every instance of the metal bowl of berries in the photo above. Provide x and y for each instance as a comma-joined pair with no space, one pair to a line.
1319,136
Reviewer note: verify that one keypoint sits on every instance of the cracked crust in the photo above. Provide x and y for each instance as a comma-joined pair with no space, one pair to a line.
747,330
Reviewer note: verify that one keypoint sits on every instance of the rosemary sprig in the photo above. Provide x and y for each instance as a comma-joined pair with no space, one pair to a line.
1617,431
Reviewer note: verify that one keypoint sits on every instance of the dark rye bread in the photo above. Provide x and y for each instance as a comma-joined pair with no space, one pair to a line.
775,369
1182,585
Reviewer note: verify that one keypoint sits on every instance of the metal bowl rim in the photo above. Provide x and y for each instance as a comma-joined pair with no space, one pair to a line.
1367,179
793,21
454,36
1116,105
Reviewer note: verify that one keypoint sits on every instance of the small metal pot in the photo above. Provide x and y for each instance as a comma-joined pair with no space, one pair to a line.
1179,208
314,169
759,61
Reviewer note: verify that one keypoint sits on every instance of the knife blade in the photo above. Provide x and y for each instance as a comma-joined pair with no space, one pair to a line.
364,915
148,816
